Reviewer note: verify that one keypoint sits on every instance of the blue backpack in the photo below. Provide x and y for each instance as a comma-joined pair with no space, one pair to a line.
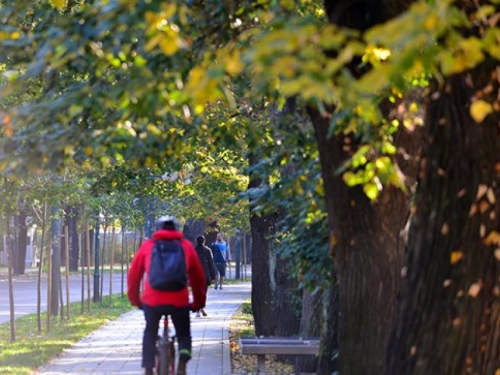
167,270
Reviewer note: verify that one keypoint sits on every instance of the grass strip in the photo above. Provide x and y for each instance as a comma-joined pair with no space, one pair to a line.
32,349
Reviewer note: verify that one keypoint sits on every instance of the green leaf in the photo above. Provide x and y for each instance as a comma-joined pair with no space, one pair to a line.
371,190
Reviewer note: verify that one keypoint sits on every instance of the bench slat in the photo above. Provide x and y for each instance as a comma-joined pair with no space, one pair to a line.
279,345
291,350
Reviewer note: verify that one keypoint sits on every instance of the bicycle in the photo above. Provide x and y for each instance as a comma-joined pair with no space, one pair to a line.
165,350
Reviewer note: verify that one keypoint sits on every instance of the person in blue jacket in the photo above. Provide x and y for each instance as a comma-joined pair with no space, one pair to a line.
222,257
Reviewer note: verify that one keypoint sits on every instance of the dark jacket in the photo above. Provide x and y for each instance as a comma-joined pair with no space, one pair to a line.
153,297
207,262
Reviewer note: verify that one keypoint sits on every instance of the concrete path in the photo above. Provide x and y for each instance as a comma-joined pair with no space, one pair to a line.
116,347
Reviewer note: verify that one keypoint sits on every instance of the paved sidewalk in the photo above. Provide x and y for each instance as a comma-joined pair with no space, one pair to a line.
116,347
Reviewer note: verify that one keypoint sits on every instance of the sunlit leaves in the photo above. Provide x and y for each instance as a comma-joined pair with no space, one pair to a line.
491,42
461,55
292,58
58,3
163,32
479,109
372,175
233,63
203,87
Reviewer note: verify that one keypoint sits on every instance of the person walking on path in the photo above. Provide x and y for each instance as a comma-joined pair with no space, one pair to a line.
207,262
157,303
222,256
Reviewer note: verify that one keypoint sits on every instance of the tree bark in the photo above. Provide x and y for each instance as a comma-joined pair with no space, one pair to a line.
193,229
310,326
366,236
22,243
368,256
71,221
328,353
449,321
263,265
55,268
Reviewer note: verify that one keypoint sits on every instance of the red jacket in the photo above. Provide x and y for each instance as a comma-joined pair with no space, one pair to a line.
153,297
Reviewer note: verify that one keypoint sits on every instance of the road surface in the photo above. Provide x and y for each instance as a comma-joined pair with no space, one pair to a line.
25,292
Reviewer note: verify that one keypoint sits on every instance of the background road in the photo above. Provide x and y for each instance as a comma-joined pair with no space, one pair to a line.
25,292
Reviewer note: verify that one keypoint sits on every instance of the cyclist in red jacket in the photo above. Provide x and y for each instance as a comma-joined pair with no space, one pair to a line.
156,303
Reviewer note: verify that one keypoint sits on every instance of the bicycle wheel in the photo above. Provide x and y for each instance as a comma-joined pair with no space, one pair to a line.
170,357
164,367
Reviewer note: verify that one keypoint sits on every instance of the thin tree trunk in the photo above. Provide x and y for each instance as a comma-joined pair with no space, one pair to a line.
112,260
89,262
40,268
122,265
66,235
11,283
103,258
82,257
49,283
61,300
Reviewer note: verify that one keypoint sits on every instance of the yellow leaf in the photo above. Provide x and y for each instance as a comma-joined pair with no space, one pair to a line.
233,64
465,54
480,109
68,150
456,256
59,4
492,238
169,46
149,162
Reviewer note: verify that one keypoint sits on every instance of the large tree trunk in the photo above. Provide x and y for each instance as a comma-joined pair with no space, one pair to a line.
194,228
287,297
263,266
366,235
327,359
71,221
310,326
449,322
368,256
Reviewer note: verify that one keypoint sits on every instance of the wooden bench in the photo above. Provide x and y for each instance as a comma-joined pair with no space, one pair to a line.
261,346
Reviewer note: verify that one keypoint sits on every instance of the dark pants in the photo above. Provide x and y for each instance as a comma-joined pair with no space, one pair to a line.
182,324
221,267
